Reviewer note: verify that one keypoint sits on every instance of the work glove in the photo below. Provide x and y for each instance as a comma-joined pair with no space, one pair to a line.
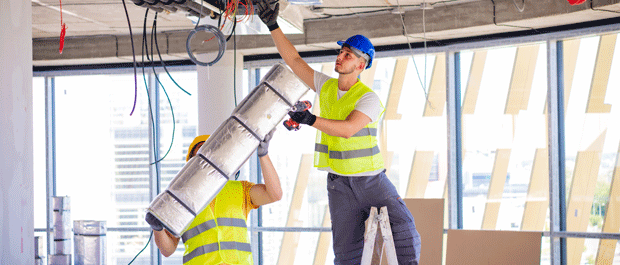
264,144
155,224
303,117
268,13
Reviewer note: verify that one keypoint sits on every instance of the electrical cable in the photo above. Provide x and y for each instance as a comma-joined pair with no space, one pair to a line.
164,65
597,9
63,31
385,8
519,8
425,53
147,243
218,34
422,84
512,26
235,65
135,65
144,46
154,37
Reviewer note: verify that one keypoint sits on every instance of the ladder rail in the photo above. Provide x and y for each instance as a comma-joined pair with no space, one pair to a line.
379,221
369,237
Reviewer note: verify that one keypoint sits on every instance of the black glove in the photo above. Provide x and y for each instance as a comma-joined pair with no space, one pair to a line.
268,12
155,224
264,144
303,117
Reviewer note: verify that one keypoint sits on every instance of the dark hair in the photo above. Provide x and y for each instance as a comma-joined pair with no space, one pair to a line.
191,152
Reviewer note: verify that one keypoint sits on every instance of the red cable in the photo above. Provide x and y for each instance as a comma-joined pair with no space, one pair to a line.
576,2
63,30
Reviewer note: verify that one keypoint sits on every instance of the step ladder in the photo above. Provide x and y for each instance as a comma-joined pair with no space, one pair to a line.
385,239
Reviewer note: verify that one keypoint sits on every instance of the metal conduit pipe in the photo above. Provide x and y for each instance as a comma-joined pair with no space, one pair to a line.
144,4
157,3
201,9
182,5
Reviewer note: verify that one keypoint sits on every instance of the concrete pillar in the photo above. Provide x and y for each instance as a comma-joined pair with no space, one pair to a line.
16,167
216,84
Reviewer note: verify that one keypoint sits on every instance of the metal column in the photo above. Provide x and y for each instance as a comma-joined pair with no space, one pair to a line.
555,118
154,169
50,155
453,101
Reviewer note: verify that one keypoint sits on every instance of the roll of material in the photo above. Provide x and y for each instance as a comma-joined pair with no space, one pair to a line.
61,222
60,259
89,227
61,203
62,246
39,251
227,149
90,242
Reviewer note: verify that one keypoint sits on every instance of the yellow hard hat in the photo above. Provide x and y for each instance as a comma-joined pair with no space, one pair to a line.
197,140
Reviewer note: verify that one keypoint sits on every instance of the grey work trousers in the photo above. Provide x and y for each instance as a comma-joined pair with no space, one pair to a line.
350,200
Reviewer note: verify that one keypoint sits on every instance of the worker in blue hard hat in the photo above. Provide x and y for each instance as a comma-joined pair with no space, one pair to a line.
346,146
218,235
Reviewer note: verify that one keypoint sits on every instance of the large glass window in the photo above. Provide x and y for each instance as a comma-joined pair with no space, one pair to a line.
592,96
504,139
39,162
102,144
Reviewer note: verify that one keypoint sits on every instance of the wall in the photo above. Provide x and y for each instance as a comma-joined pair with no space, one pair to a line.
16,173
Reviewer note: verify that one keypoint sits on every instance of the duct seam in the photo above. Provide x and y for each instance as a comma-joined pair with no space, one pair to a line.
181,202
247,128
213,165
279,95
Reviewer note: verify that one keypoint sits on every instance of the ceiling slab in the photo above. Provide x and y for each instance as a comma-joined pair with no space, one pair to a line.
92,37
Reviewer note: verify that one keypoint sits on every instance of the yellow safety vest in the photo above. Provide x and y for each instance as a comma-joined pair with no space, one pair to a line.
220,236
358,154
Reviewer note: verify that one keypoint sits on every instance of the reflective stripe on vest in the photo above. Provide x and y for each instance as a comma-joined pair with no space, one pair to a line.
214,247
201,228
347,154
356,154
223,221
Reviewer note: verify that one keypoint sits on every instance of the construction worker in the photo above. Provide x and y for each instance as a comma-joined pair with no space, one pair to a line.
346,145
218,234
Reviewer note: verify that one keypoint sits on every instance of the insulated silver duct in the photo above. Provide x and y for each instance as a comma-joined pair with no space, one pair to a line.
228,148
61,251
89,242
39,252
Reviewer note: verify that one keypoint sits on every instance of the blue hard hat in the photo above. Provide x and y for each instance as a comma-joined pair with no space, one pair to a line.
363,44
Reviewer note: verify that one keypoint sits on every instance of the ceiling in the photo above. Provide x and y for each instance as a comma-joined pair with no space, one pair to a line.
97,31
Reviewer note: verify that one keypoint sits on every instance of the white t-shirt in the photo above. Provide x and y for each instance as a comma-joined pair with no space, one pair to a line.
369,104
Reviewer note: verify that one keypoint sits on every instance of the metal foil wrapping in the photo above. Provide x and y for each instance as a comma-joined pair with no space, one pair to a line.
286,83
89,227
262,110
171,213
228,148
90,242
59,259
197,183
62,246
61,222
39,251
62,203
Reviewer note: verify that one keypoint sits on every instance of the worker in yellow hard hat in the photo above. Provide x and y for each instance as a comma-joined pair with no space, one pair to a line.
218,234
346,144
